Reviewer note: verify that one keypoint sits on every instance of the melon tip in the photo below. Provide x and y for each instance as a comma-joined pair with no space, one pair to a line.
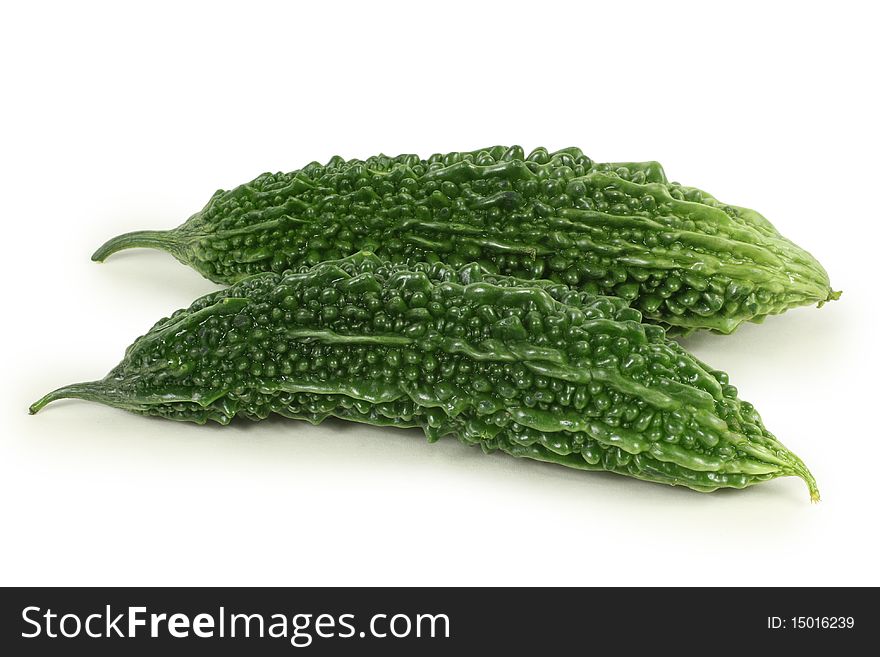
833,295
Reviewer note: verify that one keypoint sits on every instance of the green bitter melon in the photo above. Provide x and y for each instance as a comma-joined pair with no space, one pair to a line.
676,253
535,370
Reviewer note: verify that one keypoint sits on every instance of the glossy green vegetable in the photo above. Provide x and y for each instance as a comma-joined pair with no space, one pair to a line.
677,254
539,371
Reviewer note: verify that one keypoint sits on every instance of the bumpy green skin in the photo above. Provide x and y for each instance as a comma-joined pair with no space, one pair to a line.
677,254
538,370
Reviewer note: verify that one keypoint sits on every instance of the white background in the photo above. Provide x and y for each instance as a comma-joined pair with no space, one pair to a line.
116,118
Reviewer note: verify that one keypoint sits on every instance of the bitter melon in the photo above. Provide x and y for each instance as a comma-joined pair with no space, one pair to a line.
535,370
676,253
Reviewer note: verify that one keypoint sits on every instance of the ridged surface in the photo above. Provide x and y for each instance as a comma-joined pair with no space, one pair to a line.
538,370
676,253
